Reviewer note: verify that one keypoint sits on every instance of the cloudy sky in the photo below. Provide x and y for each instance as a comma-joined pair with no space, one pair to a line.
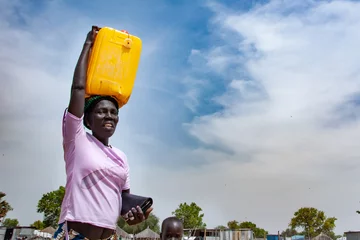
248,108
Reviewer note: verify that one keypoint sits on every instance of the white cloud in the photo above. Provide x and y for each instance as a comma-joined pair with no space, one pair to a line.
302,64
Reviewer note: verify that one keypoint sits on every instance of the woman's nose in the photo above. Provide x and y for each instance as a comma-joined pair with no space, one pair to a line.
108,115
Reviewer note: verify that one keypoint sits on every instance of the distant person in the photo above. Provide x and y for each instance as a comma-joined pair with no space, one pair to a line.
172,229
97,173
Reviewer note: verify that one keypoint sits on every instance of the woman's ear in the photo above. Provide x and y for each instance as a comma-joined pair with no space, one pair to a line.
87,122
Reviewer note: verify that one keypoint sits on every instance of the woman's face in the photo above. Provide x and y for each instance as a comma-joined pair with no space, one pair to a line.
103,119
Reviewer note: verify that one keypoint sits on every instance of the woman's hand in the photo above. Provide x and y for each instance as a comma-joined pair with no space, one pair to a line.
90,38
136,215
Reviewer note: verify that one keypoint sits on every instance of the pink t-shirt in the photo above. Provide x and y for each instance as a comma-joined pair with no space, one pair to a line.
96,177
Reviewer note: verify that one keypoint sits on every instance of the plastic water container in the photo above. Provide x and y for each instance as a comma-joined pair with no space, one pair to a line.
113,64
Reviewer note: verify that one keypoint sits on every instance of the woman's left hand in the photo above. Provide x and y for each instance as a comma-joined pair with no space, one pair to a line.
136,215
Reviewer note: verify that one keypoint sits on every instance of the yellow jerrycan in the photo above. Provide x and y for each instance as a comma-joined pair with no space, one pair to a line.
113,64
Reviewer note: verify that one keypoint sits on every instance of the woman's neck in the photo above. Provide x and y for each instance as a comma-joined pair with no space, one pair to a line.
104,141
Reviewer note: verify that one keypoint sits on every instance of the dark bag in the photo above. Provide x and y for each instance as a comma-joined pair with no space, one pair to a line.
130,200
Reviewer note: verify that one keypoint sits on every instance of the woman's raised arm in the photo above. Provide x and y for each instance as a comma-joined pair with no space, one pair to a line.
77,98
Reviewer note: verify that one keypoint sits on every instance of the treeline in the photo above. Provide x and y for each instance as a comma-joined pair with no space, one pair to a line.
307,221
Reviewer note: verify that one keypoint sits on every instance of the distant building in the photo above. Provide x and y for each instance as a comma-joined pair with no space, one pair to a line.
217,234
147,234
298,237
274,237
322,236
352,235
16,233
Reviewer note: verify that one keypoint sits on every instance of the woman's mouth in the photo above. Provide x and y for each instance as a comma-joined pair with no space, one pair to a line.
109,125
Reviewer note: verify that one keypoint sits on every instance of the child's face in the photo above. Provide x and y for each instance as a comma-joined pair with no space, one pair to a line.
172,231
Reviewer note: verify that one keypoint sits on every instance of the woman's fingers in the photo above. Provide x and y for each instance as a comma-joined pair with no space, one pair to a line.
147,213
138,213
130,215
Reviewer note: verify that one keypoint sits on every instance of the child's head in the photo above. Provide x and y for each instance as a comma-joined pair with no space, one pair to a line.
171,228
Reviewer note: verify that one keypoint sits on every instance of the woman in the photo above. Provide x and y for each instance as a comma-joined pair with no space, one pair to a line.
97,173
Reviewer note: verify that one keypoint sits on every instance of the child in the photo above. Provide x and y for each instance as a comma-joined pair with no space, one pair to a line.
172,228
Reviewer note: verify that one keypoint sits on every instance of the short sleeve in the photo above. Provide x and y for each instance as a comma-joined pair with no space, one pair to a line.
127,182
72,127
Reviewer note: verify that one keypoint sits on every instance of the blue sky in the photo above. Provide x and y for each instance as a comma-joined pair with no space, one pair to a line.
242,99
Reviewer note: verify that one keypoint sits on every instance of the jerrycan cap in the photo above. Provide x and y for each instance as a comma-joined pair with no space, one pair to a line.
128,43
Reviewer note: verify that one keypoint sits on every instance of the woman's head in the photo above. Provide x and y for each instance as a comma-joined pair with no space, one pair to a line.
101,116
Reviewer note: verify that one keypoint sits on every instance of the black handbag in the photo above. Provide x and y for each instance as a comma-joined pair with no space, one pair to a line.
130,200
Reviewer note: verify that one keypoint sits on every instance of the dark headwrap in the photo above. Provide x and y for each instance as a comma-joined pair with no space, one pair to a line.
90,102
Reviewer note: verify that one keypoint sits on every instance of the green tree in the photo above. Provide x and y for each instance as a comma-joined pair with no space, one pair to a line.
289,232
50,206
4,206
312,222
152,222
10,222
258,232
39,225
190,215
334,236
220,227
233,225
